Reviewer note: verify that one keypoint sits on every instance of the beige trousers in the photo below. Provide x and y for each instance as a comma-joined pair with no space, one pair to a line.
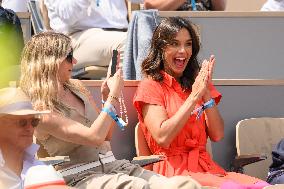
123,175
94,46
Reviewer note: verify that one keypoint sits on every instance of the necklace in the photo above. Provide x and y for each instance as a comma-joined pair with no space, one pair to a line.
122,108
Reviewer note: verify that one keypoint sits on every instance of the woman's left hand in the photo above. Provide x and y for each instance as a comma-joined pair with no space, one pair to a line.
211,67
105,90
207,95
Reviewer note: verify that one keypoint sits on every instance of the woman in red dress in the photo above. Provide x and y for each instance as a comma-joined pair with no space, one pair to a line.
177,106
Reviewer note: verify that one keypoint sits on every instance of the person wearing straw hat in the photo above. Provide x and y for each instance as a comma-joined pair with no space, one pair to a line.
17,151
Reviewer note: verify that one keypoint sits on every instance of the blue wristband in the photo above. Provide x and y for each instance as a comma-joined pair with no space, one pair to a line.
110,107
115,117
208,104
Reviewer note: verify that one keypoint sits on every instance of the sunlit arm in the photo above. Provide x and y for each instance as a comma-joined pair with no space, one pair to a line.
215,124
162,128
214,120
71,131
112,124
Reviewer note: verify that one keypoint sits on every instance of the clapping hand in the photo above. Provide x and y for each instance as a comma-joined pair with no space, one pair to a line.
211,67
207,95
200,88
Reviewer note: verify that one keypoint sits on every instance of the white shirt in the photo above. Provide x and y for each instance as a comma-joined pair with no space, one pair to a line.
8,179
68,16
15,5
273,5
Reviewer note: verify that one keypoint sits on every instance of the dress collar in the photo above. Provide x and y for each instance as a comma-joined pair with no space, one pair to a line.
168,79
31,151
172,83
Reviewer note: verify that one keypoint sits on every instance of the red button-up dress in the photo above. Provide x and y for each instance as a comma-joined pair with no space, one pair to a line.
187,153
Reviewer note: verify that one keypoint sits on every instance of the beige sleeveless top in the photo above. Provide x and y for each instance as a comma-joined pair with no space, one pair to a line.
77,153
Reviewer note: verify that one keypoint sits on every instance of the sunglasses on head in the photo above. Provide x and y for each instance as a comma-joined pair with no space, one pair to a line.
69,56
24,122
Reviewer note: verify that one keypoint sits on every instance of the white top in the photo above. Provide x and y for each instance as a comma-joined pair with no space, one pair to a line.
8,179
273,5
15,5
68,16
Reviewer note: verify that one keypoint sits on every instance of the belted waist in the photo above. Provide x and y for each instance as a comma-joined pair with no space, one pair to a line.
196,155
179,150
78,168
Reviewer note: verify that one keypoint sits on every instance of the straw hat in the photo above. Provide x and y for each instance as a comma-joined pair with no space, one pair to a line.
13,101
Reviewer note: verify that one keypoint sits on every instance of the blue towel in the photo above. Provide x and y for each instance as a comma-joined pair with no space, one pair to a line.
140,31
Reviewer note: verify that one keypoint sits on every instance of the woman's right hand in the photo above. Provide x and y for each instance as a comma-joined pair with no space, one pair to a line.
115,83
199,86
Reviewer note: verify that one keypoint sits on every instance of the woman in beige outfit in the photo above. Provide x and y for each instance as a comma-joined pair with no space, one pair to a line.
76,128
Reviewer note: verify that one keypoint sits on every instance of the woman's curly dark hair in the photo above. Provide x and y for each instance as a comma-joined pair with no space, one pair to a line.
163,35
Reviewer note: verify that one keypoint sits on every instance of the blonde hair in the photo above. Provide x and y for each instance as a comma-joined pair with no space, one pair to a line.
40,62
